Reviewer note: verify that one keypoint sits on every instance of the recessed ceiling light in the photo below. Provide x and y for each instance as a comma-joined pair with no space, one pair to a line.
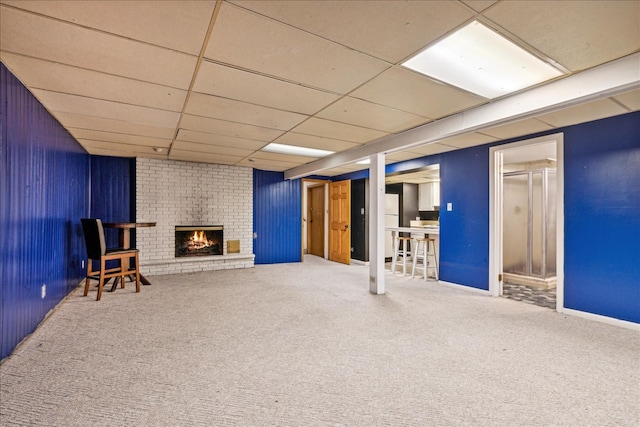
158,149
480,60
364,162
293,149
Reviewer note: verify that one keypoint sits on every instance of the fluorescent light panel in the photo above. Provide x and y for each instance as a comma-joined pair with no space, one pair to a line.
479,60
295,150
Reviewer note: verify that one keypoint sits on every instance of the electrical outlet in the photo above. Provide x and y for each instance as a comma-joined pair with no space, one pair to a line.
43,291
449,207
82,263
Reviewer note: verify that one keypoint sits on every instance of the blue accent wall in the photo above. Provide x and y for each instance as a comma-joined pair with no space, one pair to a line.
277,218
44,191
602,217
113,193
464,231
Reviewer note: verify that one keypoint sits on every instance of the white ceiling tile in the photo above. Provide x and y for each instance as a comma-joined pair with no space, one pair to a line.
261,162
464,141
196,156
94,135
290,158
374,116
336,130
631,99
312,141
227,82
184,23
254,42
390,30
337,171
408,91
108,125
221,140
111,152
210,148
32,35
241,112
124,149
265,165
224,127
479,5
106,109
399,156
430,149
583,113
39,74
519,128
577,34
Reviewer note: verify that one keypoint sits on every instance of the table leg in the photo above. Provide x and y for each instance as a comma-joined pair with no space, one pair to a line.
125,238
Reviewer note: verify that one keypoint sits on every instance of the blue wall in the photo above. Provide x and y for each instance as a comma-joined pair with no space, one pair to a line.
113,190
602,215
277,218
43,194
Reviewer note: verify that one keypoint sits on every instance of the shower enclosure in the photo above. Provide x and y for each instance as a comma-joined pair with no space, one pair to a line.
529,227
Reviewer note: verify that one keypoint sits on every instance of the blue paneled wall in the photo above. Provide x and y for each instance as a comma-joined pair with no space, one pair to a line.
113,193
602,217
43,193
277,218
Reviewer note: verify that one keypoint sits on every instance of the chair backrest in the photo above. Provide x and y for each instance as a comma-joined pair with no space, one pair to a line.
94,237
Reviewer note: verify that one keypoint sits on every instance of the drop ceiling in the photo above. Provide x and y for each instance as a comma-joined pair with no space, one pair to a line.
216,81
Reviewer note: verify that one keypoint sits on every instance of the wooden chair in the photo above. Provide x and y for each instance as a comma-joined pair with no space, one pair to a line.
97,251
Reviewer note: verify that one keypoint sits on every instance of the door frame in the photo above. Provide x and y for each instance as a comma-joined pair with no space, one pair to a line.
496,249
306,184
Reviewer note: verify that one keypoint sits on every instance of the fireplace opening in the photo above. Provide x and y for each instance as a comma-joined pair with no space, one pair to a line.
199,240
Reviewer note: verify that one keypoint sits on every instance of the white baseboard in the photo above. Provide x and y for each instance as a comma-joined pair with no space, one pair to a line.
464,288
602,319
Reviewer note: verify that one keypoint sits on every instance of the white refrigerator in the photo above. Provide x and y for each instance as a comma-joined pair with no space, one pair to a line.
391,219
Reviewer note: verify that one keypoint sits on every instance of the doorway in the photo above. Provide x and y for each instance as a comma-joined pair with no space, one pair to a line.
315,220
526,236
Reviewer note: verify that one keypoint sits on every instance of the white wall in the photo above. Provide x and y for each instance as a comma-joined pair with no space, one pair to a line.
174,193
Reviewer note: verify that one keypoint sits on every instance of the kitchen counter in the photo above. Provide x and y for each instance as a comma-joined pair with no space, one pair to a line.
432,231
427,229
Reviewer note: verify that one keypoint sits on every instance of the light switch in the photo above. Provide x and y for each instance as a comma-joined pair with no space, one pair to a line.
449,207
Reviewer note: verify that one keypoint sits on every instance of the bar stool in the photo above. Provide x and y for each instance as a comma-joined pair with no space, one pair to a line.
426,251
403,252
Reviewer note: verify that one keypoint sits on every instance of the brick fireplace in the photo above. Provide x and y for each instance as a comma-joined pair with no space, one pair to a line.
174,193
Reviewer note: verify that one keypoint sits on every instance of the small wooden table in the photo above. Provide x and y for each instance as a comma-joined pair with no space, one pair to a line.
125,236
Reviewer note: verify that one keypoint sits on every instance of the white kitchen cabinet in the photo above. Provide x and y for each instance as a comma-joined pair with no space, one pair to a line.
428,196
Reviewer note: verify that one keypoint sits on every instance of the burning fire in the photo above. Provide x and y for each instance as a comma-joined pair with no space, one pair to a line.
199,241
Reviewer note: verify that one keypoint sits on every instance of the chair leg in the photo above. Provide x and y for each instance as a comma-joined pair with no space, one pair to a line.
101,282
88,280
137,273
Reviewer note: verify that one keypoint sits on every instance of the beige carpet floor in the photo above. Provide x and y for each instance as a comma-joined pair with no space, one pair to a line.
307,345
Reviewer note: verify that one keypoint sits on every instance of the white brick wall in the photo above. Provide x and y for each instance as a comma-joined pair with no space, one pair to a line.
174,193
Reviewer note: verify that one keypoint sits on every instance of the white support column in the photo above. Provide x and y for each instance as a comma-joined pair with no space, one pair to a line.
376,223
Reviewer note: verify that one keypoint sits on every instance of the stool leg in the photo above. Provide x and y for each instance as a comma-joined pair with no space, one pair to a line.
416,254
395,255
404,257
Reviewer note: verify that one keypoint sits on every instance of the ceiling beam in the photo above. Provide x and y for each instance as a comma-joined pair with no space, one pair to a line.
599,82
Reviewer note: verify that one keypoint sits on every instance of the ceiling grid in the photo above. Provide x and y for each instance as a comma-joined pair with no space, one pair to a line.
218,80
